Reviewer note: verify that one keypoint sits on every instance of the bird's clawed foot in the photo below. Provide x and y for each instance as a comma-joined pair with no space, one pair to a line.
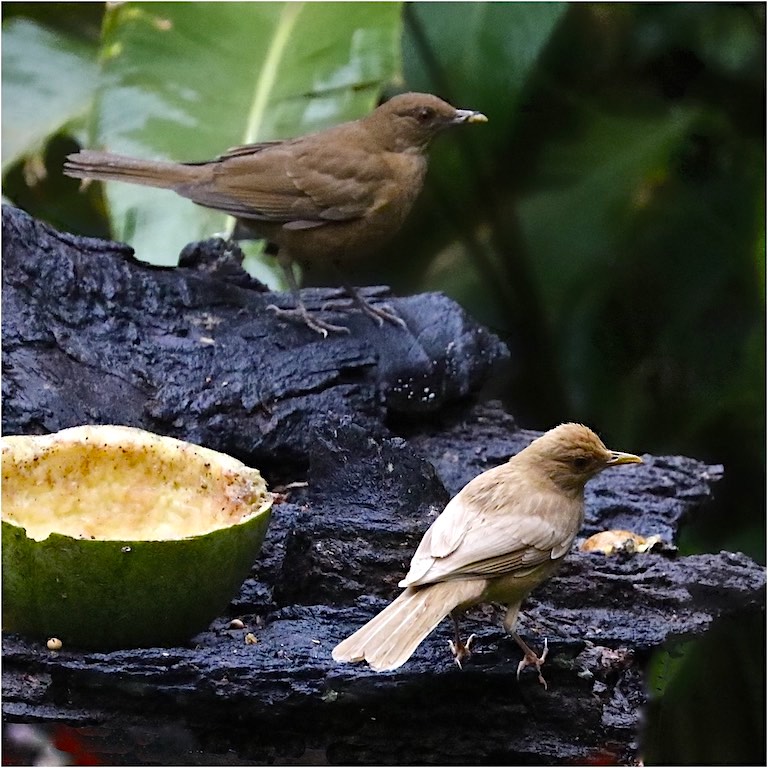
381,314
302,314
530,659
460,650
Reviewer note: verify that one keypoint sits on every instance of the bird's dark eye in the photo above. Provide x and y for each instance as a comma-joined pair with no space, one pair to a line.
425,114
580,463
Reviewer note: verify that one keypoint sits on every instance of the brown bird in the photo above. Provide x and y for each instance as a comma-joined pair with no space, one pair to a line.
502,535
329,196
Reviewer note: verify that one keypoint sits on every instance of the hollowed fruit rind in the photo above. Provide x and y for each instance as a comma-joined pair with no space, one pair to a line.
175,527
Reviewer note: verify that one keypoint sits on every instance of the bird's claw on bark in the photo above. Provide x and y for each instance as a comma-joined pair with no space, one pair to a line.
303,315
382,313
530,659
460,650
378,314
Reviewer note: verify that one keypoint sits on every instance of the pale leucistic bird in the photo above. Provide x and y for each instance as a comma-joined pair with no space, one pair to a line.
501,536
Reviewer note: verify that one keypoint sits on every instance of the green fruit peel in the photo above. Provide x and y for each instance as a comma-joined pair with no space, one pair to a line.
114,537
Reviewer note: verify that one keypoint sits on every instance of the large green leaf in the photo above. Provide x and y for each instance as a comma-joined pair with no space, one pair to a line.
481,56
593,190
590,186
185,81
48,81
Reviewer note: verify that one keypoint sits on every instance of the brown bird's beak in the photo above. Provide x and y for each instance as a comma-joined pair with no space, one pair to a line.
468,116
617,457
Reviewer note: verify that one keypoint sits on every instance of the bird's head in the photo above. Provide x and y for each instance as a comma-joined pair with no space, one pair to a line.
571,454
409,121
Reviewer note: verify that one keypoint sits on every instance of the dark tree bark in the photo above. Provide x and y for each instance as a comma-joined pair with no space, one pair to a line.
384,425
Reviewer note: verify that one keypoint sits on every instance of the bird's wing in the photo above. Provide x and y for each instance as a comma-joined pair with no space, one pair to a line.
342,186
469,540
302,183
249,149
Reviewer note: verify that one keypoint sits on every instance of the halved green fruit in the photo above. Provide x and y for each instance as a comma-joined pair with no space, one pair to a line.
114,537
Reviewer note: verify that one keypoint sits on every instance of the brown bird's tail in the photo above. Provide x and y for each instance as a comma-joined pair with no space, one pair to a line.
90,164
389,638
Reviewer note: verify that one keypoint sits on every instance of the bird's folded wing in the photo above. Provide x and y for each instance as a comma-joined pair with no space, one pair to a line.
249,149
342,186
288,184
528,532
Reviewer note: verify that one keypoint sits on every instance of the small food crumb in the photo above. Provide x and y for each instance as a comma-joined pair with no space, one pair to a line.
330,696
251,639
54,644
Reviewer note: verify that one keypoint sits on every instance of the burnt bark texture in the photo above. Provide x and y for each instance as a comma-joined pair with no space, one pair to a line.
384,425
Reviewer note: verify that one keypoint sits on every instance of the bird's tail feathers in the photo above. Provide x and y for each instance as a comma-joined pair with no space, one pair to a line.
91,164
389,639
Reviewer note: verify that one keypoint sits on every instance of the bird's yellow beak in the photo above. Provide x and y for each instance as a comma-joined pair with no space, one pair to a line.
617,457
469,116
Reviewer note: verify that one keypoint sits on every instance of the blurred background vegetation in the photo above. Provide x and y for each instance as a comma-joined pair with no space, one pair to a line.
608,222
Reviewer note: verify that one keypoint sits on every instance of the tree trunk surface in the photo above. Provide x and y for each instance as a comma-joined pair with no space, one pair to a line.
383,425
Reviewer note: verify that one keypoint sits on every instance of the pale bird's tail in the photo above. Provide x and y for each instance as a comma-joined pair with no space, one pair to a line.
90,164
389,639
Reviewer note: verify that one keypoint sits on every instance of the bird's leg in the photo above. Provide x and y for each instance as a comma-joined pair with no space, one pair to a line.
459,648
300,312
530,659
